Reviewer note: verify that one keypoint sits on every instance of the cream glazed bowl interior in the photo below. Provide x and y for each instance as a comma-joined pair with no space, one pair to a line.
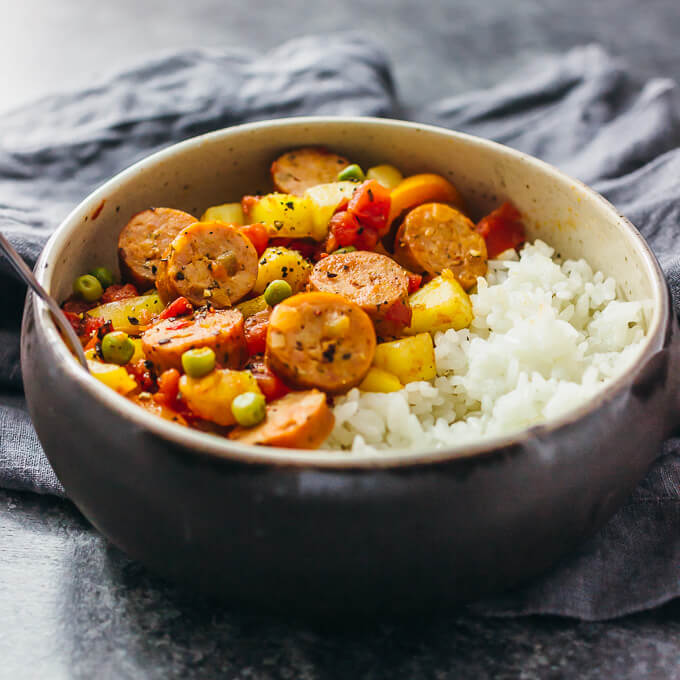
322,530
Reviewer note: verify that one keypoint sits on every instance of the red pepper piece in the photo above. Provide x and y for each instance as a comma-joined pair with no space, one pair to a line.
370,204
269,383
179,307
255,329
414,281
502,229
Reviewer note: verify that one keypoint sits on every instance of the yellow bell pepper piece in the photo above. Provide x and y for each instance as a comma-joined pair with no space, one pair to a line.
130,315
409,359
377,380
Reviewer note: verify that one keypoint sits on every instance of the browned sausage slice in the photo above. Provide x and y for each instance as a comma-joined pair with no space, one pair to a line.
320,340
222,331
298,170
373,281
300,420
208,262
434,237
143,241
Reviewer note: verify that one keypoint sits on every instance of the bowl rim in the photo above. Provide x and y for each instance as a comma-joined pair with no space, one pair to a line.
220,448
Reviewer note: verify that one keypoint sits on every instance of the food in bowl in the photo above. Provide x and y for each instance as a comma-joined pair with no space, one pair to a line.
350,310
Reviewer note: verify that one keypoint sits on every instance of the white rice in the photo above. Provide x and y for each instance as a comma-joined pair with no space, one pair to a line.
546,336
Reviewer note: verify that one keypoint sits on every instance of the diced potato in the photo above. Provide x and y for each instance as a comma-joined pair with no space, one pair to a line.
286,216
210,397
325,199
377,380
387,175
439,305
130,315
112,375
250,307
282,263
229,213
408,359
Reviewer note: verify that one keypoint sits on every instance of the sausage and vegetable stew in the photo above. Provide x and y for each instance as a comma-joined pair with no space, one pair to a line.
249,321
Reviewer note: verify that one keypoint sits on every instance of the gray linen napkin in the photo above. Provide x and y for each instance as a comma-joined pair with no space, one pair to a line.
581,112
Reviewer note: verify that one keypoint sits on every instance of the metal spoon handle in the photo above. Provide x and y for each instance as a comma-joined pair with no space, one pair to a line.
23,270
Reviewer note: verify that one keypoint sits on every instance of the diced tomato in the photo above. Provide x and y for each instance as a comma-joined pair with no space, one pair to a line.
255,328
257,235
91,343
179,307
76,306
118,292
502,229
142,372
414,281
370,204
75,321
269,383
344,226
92,324
399,312
168,390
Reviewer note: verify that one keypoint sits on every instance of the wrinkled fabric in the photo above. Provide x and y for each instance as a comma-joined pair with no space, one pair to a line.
582,112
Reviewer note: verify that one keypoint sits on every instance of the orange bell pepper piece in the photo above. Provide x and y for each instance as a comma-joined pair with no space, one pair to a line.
418,189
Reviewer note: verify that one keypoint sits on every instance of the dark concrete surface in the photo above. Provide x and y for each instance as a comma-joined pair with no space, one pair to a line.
71,606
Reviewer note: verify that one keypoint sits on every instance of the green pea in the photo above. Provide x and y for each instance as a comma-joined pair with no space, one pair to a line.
88,288
103,275
346,249
277,291
352,173
248,408
117,348
198,362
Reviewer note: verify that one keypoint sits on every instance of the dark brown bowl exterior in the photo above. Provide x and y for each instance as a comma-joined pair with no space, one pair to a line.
334,541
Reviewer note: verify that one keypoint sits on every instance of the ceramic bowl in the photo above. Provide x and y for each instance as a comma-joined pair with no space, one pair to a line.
314,530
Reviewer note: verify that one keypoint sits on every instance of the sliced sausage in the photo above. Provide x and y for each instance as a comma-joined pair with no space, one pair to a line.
373,281
208,262
434,237
143,241
298,170
300,420
222,331
320,340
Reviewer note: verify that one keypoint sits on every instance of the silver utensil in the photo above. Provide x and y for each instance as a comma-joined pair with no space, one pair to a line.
22,269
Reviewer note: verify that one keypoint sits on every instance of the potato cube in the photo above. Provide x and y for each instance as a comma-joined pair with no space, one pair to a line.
282,263
210,397
285,215
229,213
325,199
439,305
387,175
112,375
409,359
